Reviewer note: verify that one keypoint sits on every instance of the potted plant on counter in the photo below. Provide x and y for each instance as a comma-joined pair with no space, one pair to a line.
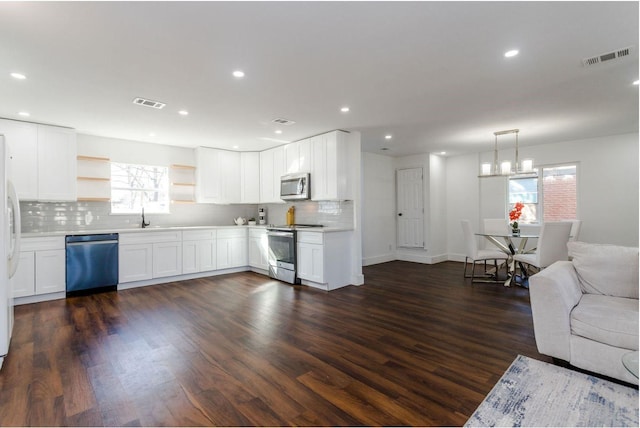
251,221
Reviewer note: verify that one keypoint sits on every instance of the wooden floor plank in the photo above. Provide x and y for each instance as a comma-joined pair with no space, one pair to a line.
415,345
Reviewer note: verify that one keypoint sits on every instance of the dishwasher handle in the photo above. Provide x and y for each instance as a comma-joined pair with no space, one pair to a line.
83,243
102,237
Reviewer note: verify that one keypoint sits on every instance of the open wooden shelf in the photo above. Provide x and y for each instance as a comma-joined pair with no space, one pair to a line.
178,166
183,201
92,158
94,178
82,199
183,184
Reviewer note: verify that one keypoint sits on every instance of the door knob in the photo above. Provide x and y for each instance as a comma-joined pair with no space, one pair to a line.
400,214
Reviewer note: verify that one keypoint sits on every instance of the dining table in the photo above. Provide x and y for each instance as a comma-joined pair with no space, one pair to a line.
505,242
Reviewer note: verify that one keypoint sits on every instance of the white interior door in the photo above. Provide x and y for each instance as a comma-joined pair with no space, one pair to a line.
410,208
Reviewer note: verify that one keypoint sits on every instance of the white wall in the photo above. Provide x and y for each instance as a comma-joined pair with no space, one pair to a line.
379,209
463,200
436,235
134,152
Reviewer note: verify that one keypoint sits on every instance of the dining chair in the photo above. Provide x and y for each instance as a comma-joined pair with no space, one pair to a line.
575,229
494,226
552,246
474,255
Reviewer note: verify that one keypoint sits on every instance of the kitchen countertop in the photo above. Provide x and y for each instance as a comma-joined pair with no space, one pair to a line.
169,228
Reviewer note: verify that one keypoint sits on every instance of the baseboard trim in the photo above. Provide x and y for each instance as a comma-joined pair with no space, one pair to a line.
39,298
357,279
167,279
378,259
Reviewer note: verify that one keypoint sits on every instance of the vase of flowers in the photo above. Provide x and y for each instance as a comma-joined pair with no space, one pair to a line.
514,216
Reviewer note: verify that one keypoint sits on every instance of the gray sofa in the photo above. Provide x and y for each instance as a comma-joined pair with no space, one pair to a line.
585,311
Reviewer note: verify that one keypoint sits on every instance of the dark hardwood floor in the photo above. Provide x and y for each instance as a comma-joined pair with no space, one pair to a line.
415,345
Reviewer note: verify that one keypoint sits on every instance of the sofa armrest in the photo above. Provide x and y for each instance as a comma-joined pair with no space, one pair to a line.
554,292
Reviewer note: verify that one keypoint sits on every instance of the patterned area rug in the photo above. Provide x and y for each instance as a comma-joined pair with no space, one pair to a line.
534,393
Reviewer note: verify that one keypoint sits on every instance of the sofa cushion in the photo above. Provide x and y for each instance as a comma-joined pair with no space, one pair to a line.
607,319
611,270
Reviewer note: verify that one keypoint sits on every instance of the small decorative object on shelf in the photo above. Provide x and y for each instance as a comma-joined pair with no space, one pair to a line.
251,221
514,216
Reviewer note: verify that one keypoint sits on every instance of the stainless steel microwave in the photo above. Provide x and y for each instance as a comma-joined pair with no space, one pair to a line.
295,187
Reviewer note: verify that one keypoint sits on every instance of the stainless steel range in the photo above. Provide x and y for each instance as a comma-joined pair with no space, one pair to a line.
282,252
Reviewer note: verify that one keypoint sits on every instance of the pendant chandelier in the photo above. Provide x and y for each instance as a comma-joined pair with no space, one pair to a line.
505,167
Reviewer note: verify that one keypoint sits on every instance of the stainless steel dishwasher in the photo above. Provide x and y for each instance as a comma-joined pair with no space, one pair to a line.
92,262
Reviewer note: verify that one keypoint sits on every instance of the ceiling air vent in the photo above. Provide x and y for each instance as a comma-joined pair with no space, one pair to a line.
281,121
620,53
148,103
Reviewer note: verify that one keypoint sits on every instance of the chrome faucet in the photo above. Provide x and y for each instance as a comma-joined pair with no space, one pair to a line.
144,224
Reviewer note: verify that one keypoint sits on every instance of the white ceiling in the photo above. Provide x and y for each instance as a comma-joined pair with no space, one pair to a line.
432,74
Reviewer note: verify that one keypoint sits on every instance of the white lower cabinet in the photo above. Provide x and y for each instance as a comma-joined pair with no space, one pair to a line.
323,259
167,259
50,271
231,248
258,249
23,282
146,255
135,262
198,251
41,269
311,262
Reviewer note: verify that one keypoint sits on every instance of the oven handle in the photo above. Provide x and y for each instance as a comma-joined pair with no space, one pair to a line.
284,234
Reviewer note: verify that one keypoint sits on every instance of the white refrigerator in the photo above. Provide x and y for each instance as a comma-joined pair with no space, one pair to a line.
9,254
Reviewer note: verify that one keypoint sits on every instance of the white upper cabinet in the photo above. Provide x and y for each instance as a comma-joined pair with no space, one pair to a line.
42,160
297,156
217,176
272,167
250,177
330,167
22,140
57,164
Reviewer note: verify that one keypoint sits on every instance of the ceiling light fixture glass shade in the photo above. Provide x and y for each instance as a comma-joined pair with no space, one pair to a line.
504,168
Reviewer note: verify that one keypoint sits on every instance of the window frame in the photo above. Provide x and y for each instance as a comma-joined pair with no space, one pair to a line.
148,207
540,205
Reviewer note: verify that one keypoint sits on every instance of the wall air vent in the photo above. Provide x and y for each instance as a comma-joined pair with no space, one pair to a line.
619,53
148,103
281,121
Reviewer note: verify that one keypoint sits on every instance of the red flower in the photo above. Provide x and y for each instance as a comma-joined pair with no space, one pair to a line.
516,211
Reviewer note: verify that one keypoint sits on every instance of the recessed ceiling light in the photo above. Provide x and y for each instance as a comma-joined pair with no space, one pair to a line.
18,76
278,131
443,153
388,137
637,82
344,109
183,113
238,73
511,53
152,134
236,147
24,113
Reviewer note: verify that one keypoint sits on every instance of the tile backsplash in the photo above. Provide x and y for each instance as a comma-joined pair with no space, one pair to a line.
80,216
326,213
